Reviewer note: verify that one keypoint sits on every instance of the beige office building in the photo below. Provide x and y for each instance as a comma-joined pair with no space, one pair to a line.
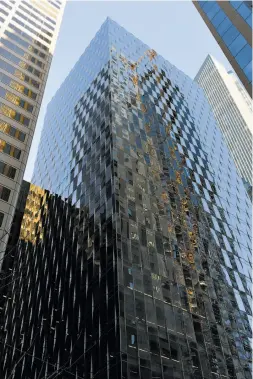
232,108
28,34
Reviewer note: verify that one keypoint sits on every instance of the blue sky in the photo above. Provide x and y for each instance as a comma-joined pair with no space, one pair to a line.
173,28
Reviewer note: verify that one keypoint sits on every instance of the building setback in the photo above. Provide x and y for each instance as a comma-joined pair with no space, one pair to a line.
137,265
28,33
230,22
232,108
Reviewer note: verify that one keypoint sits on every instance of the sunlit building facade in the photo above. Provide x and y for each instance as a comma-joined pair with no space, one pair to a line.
230,22
138,265
28,33
232,108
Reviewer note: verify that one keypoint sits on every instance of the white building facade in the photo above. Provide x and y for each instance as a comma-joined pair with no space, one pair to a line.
232,108
28,34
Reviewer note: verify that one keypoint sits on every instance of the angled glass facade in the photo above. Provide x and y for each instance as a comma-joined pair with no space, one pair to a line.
138,265
231,24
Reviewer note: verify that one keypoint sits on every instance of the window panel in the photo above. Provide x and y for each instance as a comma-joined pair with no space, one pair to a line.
30,21
55,5
17,86
9,149
28,37
6,54
223,27
12,70
202,3
25,44
249,20
11,113
6,5
4,193
218,18
235,4
208,6
15,99
7,170
248,71
41,14
1,218
213,11
4,12
244,11
230,35
31,30
237,45
244,56
37,18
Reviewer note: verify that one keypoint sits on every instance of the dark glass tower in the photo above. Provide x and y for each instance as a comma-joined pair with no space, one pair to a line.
231,25
138,267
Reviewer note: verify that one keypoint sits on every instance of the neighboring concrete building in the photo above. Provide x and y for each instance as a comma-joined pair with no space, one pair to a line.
139,267
28,33
231,25
232,109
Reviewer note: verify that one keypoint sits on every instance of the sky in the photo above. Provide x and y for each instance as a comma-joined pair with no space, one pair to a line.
174,29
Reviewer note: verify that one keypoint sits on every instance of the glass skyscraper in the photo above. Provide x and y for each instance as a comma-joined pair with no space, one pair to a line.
232,108
135,261
28,34
231,25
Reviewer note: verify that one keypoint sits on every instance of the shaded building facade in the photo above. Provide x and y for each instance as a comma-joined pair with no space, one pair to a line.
8,259
135,269
230,22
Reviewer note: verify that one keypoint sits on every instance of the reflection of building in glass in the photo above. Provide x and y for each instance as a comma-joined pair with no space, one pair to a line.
232,108
31,224
231,25
143,269
28,33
